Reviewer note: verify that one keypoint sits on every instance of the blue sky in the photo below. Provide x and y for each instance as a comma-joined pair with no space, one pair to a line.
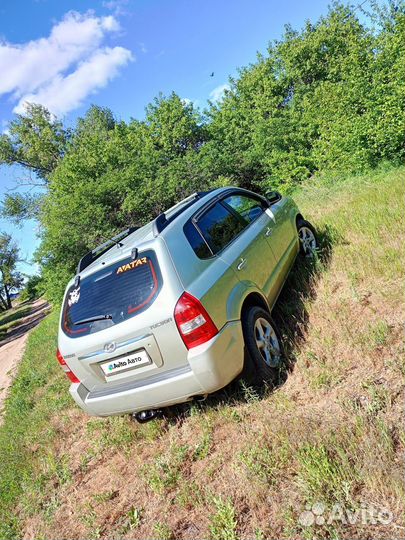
121,54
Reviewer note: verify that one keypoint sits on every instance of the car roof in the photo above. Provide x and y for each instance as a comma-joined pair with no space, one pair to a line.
147,233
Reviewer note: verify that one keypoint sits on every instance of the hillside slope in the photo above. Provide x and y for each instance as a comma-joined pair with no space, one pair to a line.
242,465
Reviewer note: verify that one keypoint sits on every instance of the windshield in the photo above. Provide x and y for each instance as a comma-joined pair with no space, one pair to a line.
111,295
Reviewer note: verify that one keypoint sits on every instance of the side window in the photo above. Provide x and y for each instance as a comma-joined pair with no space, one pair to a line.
248,208
196,241
219,227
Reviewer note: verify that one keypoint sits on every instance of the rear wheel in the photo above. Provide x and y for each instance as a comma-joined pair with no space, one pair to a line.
307,238
263,347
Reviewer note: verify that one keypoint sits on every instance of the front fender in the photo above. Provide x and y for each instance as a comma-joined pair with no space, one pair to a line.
293,210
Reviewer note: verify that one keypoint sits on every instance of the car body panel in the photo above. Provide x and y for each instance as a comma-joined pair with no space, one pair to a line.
250,255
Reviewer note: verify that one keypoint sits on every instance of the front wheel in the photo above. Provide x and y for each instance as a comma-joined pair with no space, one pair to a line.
263,347
307,238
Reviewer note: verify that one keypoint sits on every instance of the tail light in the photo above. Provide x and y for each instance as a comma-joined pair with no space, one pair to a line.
66,368
194,323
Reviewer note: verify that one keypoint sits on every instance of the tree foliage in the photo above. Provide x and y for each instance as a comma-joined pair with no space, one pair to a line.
33,288
37,142
330,96
10,279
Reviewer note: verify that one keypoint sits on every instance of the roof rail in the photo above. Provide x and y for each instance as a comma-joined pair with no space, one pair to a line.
95,253
191,197
162,221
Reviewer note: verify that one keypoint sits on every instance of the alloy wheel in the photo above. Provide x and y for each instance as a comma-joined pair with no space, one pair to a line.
307,241
267,342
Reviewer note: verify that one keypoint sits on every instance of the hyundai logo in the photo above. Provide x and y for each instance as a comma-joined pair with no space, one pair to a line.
110,347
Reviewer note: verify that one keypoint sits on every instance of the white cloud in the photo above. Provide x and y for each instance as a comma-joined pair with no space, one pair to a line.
64,94
218,93
55,63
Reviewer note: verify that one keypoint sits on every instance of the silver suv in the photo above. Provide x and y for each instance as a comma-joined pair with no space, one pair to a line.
177,309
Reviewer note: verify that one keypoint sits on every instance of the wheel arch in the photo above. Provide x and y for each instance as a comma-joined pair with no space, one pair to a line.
297,218
254,299
242,296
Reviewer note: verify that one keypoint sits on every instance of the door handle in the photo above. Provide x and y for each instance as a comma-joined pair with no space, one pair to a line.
269,231
241,264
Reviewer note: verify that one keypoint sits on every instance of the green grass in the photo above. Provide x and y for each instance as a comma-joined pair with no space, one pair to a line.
162,531
14,314
363,214
265,459
12,318
240,465
223,522
325,472
165,472
38,394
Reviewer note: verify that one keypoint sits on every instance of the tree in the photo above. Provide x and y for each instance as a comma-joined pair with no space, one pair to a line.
33,288
174,126
117,174
10,279
36,141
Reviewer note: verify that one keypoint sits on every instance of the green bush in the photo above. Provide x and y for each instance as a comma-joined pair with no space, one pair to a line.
34,288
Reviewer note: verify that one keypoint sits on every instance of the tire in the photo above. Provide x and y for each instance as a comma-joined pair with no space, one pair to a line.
261,364
307,238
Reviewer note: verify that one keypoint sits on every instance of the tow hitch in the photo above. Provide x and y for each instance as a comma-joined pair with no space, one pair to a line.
146,416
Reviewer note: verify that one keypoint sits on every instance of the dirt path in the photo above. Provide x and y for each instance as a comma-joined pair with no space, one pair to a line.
12,347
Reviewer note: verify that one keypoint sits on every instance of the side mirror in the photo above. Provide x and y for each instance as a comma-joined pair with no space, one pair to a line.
273,196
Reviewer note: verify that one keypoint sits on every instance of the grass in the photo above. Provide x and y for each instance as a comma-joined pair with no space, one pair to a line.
14,314
240,465
325,472
223,522
37,395
264,459
165,471
12,318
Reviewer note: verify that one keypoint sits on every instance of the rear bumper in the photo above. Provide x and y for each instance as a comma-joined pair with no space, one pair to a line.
211,366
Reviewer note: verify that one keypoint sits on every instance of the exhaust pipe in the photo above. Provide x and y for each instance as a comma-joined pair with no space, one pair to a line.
200,398
146,416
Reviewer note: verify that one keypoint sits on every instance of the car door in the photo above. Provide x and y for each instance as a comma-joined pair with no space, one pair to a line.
281,235
235,229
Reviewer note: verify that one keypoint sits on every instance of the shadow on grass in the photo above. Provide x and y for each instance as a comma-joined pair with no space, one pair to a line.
291,317
290,312
11,316
32,317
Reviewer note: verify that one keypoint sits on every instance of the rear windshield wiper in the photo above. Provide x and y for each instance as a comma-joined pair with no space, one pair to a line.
93,319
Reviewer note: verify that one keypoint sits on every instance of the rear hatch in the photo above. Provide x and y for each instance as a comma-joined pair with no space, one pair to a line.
117,323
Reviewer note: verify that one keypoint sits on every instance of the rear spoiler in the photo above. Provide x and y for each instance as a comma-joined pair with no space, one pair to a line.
95,253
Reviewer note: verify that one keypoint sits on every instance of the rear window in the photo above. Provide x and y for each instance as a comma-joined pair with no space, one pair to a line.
112,295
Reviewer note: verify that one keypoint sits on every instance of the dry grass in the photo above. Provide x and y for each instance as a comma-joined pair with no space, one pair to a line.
243,465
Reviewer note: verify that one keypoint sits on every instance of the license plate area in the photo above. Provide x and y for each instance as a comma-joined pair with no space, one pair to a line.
125,362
